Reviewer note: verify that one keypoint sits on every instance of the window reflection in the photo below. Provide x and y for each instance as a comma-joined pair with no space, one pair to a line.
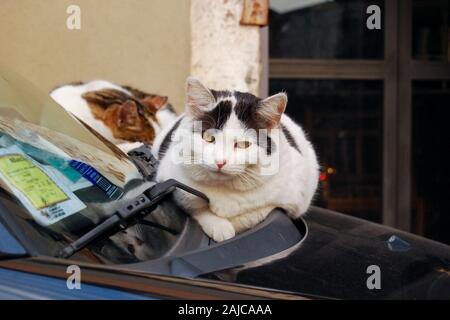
431,25
324,30
343,118
430,159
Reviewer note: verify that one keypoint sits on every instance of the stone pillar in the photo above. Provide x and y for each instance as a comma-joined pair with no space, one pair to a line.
225,54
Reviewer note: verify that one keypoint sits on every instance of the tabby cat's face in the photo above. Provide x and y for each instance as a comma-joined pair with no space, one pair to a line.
232,132
130,118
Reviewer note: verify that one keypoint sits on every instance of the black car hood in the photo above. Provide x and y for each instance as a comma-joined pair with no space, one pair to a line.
332,261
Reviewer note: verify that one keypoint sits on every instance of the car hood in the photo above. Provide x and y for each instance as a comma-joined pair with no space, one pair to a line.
340,256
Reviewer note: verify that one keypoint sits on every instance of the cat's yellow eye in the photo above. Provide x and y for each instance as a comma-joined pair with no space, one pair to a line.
242,144
208,137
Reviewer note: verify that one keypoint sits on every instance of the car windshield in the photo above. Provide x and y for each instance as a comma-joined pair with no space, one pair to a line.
58,178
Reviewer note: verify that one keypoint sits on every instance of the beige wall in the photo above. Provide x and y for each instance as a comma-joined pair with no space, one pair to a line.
224,53
145,43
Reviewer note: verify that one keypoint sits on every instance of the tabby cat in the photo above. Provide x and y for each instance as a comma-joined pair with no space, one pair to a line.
123,115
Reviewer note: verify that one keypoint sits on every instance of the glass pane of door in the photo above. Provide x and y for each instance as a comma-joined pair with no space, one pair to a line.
323,29
430,159
343,118
431,30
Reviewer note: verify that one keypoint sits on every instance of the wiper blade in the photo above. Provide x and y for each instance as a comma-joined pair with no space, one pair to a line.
130,213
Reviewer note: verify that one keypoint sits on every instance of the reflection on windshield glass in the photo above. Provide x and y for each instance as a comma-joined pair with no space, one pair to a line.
59,179
34,118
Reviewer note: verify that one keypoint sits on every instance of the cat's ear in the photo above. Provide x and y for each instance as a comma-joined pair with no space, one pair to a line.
154,102
199,98
272,108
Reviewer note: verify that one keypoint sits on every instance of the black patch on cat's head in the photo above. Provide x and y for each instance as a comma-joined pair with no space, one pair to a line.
217,117
246,110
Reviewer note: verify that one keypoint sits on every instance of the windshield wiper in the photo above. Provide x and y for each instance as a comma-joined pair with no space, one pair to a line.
130,213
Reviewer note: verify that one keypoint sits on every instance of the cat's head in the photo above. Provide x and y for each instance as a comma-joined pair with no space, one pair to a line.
232,132
129,117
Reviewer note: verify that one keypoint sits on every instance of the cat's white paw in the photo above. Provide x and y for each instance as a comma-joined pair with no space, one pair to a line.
218,229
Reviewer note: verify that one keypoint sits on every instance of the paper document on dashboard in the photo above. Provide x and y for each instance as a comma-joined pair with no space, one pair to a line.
41,192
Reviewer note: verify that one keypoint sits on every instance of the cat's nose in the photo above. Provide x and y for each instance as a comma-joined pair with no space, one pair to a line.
221,164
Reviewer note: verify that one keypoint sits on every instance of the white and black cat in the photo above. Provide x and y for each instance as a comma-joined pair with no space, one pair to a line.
123,115
227,159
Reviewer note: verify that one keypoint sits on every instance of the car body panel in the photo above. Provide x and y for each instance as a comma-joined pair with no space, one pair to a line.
120,278
333,259
21,285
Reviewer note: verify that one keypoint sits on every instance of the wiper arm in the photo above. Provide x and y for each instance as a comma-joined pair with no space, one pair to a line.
133,211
